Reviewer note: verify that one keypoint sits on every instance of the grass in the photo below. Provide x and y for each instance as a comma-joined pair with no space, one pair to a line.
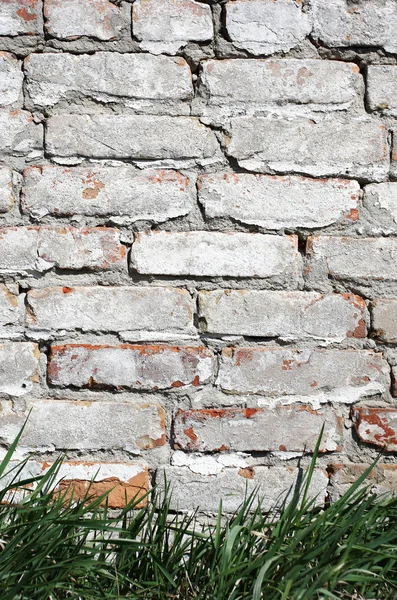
54,548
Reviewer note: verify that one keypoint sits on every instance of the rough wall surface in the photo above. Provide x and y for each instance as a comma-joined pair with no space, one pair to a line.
198,251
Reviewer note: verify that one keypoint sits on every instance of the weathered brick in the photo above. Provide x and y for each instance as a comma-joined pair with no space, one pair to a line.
306,146
380,200
362,260
248,86
19,135
211,254
39,249
122,482
382,479
356,23
393,164
18,367
286,428
265,26
109,77
85,425
71,19
276,202
145,309
132,136
283,314
384,319
382,88
11,308
376,426
166,25
21,17
91,248
11,78
128,366
339,375
273,484
121,192
7,196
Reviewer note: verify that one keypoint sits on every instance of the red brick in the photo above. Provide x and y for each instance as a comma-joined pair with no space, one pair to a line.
376,426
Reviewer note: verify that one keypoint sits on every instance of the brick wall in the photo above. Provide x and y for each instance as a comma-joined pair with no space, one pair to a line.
198,251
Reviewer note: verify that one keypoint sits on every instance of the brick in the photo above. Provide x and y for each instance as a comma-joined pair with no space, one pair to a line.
21,17
288,315
382,479
11,308
272,484
265,26
7,195
80,480
71,19
362,260
90,248
132,136
356,23
249,86
19,135
286,428
86,425
11,78
138,309
18,367
339,375
376,426
121,192
24,249
384,319
211,254
166,25
109,77
380,200
123,483
393,164
382,88
276,202
129,366
307,146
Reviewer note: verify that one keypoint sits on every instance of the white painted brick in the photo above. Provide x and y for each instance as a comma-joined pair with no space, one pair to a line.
248,86
380,200
139,367
121,192
148,309
7,196
168,25
18,249
285,428
356,23
273,484
288,315
212,254
382,88
384,319
308,146
19,135
71,19
21,17
265,26
72,248
79,425
172,140
333,375
362,260
376,426
18,368
109,77
11,78
276,202
11,309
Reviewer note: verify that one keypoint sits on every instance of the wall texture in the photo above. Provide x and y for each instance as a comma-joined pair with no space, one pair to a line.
198,242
